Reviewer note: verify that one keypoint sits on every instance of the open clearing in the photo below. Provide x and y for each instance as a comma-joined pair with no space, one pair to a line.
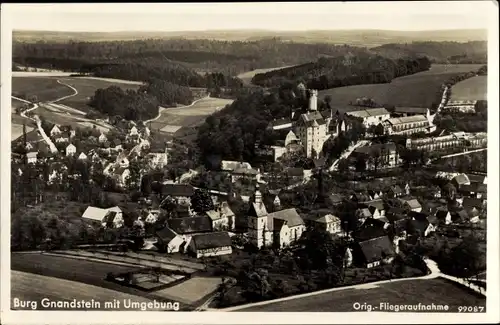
27,286
173,120
411,292
246,77
474,88
417,90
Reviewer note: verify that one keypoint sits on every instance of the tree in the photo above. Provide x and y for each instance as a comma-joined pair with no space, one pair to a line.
450,191
360,163
343,165
202,201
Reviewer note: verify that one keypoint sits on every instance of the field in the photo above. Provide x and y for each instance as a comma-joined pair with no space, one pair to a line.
45,89
35,287
474,88
93,273
437,291
418,90
246,77
17,131
178,120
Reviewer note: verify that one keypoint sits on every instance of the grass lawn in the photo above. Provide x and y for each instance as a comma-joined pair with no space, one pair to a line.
437,291
28,286
474,88
45,88
418,90
17,131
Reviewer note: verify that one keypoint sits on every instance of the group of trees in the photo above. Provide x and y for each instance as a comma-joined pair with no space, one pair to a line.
141,104
337,71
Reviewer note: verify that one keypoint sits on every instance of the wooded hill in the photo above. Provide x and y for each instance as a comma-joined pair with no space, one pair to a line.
475,52
343,71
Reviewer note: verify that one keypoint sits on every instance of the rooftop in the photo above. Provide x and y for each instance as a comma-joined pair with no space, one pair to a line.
369,112
211,240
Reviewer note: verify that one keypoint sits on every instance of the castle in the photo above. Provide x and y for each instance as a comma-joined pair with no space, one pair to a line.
310,129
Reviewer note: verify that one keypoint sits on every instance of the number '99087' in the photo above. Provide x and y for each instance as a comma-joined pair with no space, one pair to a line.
470,309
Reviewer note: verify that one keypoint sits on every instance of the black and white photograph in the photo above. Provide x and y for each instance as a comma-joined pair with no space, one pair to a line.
250,157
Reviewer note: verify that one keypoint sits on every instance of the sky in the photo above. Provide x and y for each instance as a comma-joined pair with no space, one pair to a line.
411,16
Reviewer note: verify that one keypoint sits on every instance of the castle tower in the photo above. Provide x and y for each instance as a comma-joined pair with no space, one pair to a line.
313,100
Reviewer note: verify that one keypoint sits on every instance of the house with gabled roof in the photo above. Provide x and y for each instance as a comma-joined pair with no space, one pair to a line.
222,217
70,150
108,218
373,252
102,138
460,180
443,216
82,156
171,242
55,130
411,205
371,116
395,191
31,157
211,244
182,193
363,214
326,222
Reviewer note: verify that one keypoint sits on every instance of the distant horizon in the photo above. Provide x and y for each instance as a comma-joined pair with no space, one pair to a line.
254,30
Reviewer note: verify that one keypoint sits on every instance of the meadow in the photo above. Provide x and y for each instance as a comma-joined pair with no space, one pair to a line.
411,292
418,90
35,287
474,88
246,77
44,88
176,119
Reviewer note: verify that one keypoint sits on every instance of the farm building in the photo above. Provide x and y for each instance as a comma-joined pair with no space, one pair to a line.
373,252
109,218
371,116
408,125
211,244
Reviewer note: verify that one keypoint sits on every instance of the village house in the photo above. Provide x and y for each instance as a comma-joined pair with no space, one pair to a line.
411,205
371,116
474,190
182,193
479,179
244,173
462,216
398,221
373,252
325,222
55,131
170,242
70,150
61,139
460,180
229,165
294,175
102,138
32,157
157,155
133,131
395,191
108,218
120,175
444,216
386,155
151,215
336,199
362,215
211,244
420,227
376,208
223,218
279,229
82,156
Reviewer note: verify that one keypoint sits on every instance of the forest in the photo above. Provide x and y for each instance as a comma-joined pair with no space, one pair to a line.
474,52
187,56
344,70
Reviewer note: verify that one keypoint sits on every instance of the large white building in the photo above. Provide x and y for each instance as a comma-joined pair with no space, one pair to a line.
371,116
408,125
454,140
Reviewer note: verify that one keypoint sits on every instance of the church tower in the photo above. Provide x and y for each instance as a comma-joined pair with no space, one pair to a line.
258,228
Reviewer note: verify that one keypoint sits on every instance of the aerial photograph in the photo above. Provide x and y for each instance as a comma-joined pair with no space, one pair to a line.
314,167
